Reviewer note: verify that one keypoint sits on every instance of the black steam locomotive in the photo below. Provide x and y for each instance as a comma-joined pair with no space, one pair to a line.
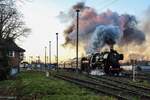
107,61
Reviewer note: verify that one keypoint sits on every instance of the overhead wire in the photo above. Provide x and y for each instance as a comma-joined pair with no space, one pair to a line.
108,4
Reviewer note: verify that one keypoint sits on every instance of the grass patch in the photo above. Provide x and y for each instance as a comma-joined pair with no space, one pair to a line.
76,97
34,85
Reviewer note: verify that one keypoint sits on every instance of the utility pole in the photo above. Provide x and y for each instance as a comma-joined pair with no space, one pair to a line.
57,49
77,11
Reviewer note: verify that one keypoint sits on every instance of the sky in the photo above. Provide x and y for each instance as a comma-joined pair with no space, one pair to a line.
41,17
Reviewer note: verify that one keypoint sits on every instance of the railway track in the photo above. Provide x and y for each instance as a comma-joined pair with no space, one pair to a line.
144,91
108,89
142,77
139,75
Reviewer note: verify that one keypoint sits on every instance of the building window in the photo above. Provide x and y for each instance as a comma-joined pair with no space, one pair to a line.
11,54
21,55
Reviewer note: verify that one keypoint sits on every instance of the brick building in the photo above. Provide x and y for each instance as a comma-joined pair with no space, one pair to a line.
11,52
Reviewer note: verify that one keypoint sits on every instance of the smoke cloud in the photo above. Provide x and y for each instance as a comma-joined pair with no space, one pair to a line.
146,22
97,30
103,35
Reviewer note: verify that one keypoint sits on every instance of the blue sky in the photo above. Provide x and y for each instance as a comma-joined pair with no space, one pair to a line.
135,7
40,16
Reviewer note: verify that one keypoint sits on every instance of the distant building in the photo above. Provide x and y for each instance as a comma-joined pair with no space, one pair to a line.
13,52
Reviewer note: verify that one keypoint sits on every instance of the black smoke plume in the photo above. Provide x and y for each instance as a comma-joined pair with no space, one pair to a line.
99,29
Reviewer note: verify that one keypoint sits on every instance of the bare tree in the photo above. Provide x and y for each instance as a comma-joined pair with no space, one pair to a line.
12,27
11,22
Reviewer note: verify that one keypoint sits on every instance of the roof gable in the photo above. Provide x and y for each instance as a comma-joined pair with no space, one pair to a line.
10,45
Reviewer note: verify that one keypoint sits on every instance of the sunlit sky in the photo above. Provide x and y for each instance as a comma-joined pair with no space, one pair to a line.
41,17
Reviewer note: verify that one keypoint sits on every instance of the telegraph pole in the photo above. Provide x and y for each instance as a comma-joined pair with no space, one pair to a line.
77,11
57,49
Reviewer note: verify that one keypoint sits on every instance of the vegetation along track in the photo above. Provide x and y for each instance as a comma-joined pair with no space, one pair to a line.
108,89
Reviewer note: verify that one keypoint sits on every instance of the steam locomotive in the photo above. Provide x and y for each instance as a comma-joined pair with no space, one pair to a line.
107,61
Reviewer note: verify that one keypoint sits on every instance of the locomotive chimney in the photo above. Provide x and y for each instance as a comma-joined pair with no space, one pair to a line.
112,46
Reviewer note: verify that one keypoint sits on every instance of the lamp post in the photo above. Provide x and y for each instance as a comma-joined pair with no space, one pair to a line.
77,11
45,57
31,59
46,67
133,69
57,49
50,53
38,59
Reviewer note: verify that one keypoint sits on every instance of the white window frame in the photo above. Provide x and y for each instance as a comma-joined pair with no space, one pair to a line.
11,54
21,54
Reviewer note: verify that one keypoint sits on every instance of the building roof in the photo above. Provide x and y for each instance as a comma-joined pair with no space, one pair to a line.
10,45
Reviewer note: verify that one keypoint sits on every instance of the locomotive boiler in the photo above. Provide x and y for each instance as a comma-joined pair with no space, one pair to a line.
107,61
